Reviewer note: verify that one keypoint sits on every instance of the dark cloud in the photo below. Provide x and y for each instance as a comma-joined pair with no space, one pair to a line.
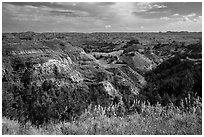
68,13
105,3
185,8
150,14
57,9
62,12
36,4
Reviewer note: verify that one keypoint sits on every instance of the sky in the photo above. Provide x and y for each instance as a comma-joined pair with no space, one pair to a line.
101,16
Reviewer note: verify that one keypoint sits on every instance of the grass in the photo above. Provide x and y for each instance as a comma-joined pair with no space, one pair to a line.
153,120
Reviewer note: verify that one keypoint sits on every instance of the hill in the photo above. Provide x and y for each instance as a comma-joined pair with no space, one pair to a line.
56,76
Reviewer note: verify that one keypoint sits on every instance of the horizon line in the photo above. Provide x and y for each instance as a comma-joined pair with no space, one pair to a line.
100,31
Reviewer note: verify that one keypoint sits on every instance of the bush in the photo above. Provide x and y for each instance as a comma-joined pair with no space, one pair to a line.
172,81
185,119
43,104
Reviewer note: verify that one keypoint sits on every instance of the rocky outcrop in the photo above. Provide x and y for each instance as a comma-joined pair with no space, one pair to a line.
61,68
27,52
137,60
108,88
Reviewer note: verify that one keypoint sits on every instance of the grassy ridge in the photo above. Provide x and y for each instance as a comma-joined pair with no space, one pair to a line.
168,120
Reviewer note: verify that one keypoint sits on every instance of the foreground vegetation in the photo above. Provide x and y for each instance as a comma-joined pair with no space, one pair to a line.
157,119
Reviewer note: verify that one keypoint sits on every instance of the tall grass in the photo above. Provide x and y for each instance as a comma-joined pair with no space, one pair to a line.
185,119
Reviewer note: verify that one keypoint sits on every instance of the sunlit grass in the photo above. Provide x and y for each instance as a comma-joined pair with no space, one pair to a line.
97,120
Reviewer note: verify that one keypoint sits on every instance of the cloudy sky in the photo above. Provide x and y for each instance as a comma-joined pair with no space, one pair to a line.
90,16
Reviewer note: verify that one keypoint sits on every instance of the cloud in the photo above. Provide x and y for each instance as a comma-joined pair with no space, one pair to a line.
151,14
105,3
191,15
146,6
72,13
108,26
151,10
164,18
176,15
35,4
41,13
158,6
167,9
97,16
63,11
198,19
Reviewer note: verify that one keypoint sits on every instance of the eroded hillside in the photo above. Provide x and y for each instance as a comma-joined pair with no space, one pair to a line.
57,75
